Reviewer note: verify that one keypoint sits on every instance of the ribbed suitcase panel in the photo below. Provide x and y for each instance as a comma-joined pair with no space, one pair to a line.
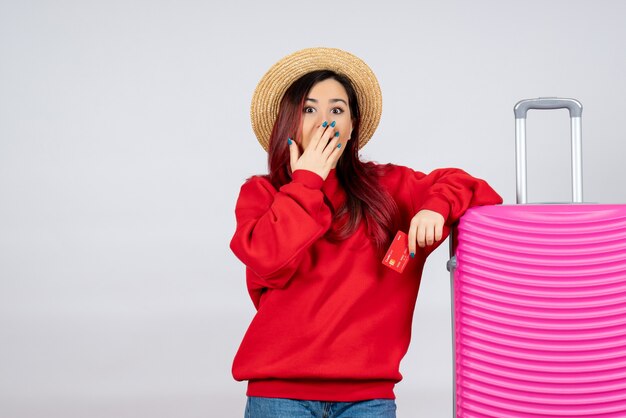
540,312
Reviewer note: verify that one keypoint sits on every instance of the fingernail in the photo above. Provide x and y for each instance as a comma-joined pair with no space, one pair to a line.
332,125
339,145
336,133
289,141
325,124
412,255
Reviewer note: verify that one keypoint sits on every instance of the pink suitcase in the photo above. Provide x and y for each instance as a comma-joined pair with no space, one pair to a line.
539,291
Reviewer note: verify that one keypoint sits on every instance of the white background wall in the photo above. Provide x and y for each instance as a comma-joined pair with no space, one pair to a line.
125,135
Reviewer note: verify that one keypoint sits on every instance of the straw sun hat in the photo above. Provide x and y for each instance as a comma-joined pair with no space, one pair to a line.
270,90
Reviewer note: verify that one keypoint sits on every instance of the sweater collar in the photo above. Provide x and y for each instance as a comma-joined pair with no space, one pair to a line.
333,191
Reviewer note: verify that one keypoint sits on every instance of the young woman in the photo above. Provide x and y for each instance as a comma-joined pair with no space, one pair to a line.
332,321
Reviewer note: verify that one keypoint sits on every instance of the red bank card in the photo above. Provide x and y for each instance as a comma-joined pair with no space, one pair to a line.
397,255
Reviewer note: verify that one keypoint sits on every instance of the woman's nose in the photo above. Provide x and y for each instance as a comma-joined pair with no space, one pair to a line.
326,120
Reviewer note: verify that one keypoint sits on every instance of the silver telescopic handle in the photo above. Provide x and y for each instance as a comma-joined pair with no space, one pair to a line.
575,113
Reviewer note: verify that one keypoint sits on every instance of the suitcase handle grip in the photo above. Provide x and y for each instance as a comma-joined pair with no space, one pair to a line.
573,105
575,112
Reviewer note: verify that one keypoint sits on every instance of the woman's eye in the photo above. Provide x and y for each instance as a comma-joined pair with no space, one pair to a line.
337,111
309,110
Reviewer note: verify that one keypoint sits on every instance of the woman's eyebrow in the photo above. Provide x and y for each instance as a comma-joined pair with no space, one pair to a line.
308,99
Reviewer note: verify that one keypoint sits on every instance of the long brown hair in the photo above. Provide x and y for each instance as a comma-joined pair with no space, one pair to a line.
365,199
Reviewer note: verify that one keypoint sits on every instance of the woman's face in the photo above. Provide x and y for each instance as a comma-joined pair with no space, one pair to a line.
326,102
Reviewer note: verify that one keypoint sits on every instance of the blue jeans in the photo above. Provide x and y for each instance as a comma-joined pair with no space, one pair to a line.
257,407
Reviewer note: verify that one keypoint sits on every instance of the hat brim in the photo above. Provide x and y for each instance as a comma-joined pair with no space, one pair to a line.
270,90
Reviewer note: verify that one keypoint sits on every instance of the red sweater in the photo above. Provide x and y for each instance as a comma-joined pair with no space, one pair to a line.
332,322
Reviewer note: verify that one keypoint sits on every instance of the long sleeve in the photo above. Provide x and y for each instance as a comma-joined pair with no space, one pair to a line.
450,192
275,227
